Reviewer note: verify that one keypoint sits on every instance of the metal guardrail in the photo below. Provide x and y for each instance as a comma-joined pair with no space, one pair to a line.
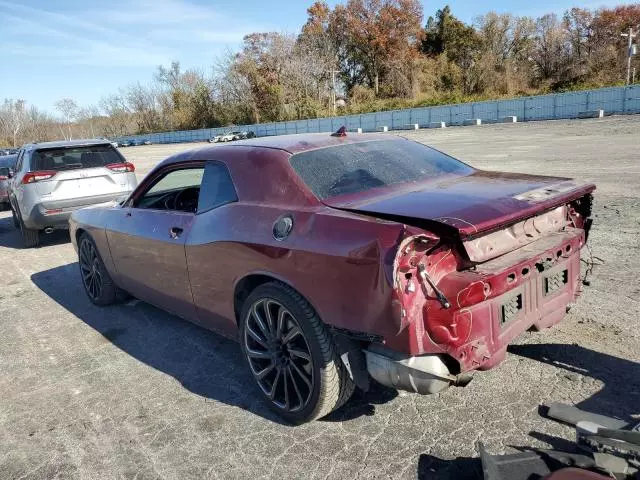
614,100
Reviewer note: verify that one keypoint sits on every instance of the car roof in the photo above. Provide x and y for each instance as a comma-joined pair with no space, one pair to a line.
291,144
67,144
308,141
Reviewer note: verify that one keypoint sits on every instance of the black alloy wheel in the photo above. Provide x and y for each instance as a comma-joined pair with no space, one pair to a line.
292,355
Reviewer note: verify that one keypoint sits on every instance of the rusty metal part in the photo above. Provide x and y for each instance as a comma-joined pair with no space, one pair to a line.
515,236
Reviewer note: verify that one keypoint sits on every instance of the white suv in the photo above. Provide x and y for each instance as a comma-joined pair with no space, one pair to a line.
53,179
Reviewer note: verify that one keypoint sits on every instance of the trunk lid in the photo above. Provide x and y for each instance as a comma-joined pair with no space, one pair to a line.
471,204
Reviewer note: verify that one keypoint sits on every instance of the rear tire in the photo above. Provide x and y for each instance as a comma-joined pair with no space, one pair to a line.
16,222
97,282
302,378
30,237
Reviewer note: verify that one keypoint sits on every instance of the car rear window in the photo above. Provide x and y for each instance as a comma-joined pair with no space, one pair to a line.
75,158
4,172
8,161
357,167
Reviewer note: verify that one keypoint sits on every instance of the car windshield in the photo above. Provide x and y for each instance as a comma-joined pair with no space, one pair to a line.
77,157
357,167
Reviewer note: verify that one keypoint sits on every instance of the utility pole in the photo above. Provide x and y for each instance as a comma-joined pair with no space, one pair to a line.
333,89
630,52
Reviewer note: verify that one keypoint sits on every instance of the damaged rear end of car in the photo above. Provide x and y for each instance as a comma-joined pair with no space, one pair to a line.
485,256
461,301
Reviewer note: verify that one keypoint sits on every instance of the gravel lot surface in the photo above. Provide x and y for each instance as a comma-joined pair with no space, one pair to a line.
132,392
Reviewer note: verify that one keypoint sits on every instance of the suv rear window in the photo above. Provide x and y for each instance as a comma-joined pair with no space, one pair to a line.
357,167
75,158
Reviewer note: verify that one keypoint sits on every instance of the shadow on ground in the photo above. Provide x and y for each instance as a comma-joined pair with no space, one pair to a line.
203,362
620,394
619,398
10,236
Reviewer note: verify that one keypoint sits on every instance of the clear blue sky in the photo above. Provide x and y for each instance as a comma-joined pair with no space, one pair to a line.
85,49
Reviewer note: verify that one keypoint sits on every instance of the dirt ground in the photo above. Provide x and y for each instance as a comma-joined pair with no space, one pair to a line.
132,392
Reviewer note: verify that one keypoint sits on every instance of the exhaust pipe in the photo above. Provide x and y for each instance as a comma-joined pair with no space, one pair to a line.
426,374
48,230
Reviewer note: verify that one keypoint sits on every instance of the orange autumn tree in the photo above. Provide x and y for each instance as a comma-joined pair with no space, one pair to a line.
377,40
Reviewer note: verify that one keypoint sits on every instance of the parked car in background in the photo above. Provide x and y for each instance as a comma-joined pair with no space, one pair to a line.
223,137
8,151
136,142
7,164
334,259
112,142
232,136
242,134
125,143
53,179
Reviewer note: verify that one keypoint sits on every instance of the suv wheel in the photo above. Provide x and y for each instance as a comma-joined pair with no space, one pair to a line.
16,221
30,237
291,355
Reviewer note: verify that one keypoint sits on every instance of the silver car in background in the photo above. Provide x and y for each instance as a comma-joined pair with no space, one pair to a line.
7,164
53,179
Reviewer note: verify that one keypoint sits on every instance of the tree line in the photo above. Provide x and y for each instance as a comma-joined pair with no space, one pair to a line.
359,56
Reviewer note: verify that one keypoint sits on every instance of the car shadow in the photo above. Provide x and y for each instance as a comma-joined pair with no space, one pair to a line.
620,394
206,364
362,404
10,236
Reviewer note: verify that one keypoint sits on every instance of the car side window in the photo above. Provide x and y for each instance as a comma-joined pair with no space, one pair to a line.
217,187
19,162
177,190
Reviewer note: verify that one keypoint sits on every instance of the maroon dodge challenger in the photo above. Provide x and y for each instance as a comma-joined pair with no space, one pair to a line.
338,258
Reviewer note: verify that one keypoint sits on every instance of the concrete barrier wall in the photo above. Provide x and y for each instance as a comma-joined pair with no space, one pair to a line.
615,100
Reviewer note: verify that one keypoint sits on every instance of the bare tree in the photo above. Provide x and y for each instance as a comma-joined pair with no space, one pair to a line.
119,120
12,119
68,108
87,117
550,51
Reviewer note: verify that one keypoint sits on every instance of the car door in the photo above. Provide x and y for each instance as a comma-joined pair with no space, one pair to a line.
147,241
211,267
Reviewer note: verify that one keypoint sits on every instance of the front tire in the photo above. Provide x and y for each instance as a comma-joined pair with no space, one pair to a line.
96,280
291,355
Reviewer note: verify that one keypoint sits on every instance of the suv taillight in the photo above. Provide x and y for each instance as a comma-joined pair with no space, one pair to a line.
33,177
125,167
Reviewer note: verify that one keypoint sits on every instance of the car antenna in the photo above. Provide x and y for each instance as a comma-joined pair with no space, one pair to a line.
342,132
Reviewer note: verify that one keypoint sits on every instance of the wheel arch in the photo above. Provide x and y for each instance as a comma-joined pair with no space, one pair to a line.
78,233
247,284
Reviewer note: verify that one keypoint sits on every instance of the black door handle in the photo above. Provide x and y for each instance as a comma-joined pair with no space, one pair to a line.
175,232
